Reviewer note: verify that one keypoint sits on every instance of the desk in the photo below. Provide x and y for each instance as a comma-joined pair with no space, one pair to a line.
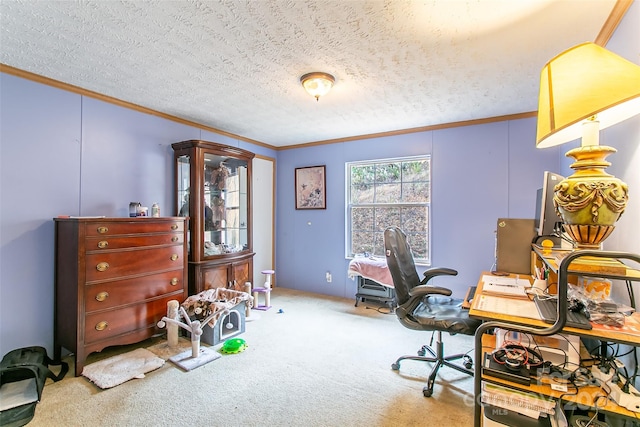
630,334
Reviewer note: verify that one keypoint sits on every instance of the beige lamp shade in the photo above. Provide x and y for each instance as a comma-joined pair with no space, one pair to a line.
584,81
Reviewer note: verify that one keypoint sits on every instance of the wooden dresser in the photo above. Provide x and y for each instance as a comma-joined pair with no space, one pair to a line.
113,279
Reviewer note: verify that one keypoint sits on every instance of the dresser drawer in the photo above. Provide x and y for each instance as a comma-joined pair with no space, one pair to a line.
137,226
113,265
106,324
120,242
107,295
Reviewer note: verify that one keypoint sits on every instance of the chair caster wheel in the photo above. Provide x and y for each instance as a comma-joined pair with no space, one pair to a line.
395,366
467,362
426,392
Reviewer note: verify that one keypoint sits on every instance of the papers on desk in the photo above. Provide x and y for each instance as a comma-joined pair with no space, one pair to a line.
505,286
502,300
507,306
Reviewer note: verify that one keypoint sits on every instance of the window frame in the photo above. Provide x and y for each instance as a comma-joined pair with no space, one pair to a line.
349,206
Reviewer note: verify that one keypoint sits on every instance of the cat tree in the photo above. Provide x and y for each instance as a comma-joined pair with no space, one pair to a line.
197,356
211,310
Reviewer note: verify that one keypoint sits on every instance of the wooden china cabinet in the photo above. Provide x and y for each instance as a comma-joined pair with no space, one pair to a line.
213,188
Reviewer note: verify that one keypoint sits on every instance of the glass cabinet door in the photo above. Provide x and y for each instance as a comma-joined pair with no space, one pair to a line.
220,216
235,208
183,181
225,205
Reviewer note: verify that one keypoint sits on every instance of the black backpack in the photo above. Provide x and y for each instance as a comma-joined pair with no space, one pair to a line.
23,373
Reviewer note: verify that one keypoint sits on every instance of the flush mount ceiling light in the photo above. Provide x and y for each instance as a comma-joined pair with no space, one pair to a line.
317,84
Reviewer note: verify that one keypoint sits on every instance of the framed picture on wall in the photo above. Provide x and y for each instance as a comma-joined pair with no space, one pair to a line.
311,184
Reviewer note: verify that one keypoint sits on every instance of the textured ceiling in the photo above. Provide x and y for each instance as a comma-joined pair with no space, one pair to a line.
235,65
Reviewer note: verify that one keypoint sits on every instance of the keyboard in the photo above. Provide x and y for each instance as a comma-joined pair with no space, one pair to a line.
547,308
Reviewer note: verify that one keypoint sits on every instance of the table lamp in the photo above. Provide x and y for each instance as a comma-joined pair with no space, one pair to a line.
583,90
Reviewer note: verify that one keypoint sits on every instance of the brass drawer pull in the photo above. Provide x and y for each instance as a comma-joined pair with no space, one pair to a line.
174,239
102,266
174,281
103,244
103,230
174,227
102,326
102,296
174,257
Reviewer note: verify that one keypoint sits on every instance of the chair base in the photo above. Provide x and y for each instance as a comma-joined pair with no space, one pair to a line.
440,360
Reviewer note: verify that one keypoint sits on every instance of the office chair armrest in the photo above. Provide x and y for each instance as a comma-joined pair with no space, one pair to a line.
423,290
415,298
438,271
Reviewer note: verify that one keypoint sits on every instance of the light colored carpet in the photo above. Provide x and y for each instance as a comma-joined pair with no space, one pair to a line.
321,362
118,369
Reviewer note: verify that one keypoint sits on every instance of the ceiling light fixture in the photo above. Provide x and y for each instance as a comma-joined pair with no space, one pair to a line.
317,84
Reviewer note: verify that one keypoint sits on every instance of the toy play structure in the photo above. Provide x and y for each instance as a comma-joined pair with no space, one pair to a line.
189,359
214,312
265,290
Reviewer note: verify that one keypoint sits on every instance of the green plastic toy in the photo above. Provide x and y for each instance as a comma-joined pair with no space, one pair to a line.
233,346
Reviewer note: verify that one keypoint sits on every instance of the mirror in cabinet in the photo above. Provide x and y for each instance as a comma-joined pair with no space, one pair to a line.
212,183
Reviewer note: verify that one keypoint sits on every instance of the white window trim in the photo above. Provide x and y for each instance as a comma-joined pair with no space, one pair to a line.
347,249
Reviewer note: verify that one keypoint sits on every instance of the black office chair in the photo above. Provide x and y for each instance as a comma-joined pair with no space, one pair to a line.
426,308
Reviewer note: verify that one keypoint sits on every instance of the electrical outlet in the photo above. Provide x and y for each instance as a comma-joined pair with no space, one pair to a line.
328,276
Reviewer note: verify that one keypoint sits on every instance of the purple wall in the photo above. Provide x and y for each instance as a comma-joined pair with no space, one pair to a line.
479,174
65,154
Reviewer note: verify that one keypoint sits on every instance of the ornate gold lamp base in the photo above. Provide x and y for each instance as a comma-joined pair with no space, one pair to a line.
590,201
588,236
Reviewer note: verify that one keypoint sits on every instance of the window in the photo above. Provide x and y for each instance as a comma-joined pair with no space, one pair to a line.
384,193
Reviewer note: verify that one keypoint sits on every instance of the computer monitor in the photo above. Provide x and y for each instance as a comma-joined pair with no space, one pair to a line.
547,221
